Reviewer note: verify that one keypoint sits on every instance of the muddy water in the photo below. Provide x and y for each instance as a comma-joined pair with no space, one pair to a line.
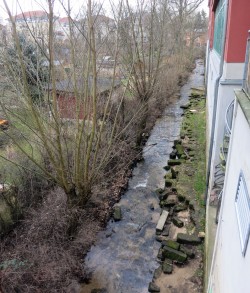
124,257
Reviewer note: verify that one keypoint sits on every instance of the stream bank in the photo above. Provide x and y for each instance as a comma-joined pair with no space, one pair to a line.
181,254
124,257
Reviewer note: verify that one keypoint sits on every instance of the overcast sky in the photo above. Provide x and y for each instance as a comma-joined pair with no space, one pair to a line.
29,5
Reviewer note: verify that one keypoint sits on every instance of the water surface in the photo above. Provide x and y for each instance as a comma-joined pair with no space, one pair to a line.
125,255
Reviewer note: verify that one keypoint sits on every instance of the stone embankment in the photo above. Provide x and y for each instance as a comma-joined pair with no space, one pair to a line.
180,228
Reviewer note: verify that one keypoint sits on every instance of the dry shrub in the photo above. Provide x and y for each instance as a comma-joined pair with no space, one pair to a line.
39,255
173,74
45,252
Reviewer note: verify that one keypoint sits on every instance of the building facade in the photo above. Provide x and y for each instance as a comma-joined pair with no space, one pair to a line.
228,177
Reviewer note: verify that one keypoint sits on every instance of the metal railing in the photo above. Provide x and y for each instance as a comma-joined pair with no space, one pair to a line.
227,133
219,175
229,119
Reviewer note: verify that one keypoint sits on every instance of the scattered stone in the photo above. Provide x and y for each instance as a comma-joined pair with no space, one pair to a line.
157,273
153,288
173,254
193,217
185,106
181,197
177,141
168,176
171,200
187,251
171,212
159,190
160,238
167,168
180,207
108,234
189,172
160,254
103,290
162,220
171,243
191,205
172,155
201,235
168,182
166,230
164,194
115,229
174,173
188,239
151,206
174,162
180,150
117,215
177,222
200,90
167,267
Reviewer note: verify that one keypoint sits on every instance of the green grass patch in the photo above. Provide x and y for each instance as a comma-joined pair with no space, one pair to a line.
192,173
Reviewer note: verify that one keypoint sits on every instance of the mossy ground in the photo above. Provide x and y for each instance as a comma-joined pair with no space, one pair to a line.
186,178
192,173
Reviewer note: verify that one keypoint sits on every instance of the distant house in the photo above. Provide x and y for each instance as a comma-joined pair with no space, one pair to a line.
66,97
32,16
34,21
198,38
104,28
62,28
228,123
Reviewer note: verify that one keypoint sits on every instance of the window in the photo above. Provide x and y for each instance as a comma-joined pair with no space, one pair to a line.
219,24
242,204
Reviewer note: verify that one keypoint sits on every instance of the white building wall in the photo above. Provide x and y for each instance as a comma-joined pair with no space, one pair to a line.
230,269
225,97
229,81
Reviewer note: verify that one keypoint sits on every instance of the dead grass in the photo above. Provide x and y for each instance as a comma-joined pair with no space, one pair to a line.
46,258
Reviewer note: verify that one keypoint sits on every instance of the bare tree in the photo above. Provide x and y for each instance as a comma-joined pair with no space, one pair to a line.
180,12
141,30
75,131
71,153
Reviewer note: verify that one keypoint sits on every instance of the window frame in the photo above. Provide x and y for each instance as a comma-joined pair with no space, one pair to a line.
219,20
244,232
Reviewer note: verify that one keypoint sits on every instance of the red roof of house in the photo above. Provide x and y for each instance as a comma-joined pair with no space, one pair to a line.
64,19
31,14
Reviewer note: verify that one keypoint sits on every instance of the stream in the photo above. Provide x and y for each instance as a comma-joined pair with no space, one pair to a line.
125,255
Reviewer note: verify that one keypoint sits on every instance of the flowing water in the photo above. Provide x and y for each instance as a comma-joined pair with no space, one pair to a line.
124,257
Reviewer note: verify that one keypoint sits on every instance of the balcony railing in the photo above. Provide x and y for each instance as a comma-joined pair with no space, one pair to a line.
227,133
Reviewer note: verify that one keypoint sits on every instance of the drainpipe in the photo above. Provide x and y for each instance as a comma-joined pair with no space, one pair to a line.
216,91
207,67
